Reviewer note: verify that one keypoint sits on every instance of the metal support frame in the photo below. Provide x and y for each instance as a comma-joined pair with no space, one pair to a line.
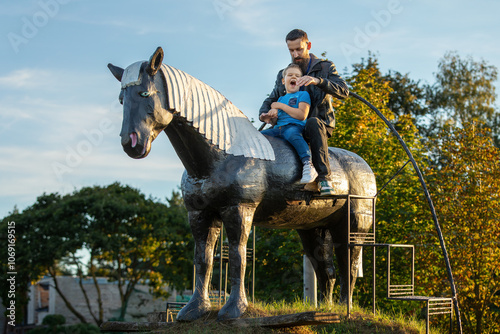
398,290
439,306
223,259
172,310
435,305
358,238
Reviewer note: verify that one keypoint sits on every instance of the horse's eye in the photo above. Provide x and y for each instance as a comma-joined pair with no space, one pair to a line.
145,94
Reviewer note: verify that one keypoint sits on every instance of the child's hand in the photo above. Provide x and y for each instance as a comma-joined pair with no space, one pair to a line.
276,105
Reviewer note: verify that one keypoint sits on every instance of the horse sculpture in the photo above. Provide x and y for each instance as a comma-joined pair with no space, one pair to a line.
238,177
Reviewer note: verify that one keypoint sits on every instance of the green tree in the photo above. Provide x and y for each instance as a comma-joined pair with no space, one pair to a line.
401,202
407,100
464,92
44,232
466,188
278,255
177,267
129,238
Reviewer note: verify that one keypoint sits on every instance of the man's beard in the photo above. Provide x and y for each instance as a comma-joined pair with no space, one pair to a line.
302,62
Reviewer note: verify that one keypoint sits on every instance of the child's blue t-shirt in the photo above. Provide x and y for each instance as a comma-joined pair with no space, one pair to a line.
293,100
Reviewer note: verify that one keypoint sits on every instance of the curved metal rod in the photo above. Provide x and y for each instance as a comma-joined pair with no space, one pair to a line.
429,200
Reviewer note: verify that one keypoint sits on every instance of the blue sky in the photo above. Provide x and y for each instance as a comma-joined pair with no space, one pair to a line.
59,116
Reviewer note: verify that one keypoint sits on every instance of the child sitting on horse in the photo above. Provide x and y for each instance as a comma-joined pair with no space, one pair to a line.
290,114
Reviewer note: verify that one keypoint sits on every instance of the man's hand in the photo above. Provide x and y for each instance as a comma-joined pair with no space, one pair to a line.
307,80
269,116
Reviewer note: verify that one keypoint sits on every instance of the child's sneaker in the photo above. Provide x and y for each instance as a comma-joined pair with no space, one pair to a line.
325,188
309,174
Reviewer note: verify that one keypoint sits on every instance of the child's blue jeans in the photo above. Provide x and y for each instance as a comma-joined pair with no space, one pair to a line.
293,134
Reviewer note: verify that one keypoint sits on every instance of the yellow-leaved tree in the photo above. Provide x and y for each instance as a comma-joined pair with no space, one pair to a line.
466,189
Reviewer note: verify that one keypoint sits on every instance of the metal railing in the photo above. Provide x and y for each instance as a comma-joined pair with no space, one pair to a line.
434,305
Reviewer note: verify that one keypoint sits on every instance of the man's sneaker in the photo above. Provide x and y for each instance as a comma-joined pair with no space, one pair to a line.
309,174
325,188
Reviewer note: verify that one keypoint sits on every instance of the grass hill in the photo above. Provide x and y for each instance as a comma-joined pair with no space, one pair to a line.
361,321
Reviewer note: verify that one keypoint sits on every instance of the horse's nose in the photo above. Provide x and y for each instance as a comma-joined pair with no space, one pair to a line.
131,140
125,140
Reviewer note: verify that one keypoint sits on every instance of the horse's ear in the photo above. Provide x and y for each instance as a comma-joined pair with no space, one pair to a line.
155,61
116,71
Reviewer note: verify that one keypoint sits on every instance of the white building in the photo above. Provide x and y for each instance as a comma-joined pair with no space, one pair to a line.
45,300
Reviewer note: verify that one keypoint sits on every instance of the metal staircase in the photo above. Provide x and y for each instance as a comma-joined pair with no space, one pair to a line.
434,305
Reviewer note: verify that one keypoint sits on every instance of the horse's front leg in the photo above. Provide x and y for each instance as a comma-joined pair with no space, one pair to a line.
205,228
238,223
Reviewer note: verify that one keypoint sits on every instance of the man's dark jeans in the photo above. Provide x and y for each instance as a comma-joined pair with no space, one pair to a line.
316,134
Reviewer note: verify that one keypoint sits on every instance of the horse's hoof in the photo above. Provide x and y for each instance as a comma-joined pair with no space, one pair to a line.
193,311
232,311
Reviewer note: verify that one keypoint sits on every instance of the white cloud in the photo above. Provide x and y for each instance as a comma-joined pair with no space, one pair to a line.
261,18
27,79
52,122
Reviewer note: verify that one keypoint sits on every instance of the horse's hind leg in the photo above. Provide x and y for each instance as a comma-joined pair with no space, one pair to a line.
238,223
205,228
341,253
318,246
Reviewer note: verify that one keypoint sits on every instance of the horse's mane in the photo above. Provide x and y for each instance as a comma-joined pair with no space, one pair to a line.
212,115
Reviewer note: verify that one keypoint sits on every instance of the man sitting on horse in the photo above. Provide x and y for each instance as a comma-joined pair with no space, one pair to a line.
322,81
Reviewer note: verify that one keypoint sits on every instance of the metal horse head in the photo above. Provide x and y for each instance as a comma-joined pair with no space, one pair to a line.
144,102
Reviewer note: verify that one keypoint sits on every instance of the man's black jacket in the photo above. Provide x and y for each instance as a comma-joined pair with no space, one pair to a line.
331,84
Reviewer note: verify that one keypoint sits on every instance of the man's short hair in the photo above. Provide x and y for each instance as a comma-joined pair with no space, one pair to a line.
297,33
292,65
